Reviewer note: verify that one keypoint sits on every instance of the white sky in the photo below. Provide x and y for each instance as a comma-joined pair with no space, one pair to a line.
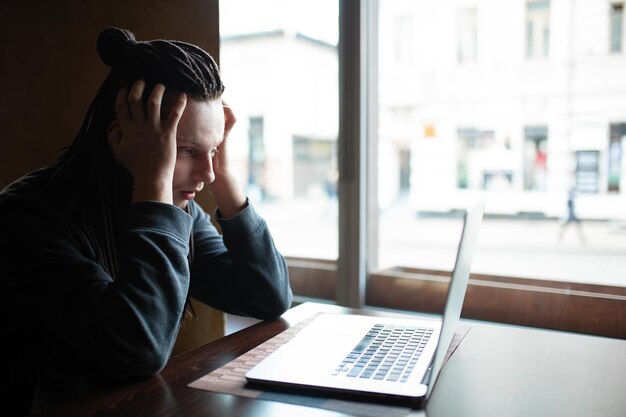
314,18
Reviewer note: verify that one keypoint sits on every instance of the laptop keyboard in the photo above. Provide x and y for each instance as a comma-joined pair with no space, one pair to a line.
387,352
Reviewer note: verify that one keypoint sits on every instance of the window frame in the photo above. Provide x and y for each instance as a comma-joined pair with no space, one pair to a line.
349,281
583,308
353,279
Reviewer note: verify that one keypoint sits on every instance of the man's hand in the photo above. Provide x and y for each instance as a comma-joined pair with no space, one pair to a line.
144,143
228,195
221,160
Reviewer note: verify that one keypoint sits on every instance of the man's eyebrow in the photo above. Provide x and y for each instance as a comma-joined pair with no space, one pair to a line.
190,140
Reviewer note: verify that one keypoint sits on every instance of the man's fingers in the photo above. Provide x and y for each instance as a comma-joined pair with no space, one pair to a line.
176,112
134,100
121,107
229,115
229,119
154,104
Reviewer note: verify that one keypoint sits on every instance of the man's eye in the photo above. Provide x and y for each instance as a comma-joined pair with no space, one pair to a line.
185,151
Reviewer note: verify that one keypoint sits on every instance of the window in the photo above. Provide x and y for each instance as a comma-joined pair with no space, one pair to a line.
535,158
616,27
616,166
255,187
280,74
537,29
416,139
523,140
587,171
466,35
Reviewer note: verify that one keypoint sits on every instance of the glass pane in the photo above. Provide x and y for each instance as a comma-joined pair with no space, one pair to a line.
537,28
543,139
617,18
280,67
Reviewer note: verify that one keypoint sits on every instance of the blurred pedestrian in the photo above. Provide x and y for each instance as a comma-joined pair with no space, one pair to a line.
571,217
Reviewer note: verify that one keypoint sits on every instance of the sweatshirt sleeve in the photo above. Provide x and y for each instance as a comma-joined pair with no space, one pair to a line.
127,325
241,271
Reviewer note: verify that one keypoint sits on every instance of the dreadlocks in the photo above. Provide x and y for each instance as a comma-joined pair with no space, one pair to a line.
96,189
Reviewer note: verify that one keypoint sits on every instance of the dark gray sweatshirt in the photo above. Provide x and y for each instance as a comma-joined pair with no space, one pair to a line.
69,327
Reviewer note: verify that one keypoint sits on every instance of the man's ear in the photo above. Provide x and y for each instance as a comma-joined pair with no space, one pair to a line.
114,137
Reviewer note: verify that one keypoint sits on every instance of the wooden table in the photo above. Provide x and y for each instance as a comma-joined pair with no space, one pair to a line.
496,371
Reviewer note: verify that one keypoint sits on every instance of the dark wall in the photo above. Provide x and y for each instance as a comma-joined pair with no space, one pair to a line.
50,70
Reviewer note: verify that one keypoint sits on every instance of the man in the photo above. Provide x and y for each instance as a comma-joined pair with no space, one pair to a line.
102,251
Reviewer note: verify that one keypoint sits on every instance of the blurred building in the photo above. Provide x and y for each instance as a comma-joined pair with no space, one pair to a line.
523,99
284,88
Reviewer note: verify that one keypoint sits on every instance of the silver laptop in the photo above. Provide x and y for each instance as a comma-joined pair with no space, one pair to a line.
392,357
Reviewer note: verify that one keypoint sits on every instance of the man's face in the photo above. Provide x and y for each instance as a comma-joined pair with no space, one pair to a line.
200,132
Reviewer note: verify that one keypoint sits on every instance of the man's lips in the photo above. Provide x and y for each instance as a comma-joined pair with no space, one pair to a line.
191,193
188,195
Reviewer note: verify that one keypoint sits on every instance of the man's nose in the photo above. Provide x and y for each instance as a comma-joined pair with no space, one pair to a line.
204,170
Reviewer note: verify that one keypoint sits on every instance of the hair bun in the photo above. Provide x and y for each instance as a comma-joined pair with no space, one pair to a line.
111,44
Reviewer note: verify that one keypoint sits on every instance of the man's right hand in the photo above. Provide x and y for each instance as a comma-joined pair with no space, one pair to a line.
145,144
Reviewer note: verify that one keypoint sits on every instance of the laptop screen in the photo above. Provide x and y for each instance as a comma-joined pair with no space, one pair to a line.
458,284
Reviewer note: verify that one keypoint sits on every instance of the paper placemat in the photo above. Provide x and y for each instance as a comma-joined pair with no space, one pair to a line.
231,379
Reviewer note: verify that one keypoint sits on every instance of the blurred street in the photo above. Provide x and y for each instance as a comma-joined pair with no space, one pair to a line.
512,247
